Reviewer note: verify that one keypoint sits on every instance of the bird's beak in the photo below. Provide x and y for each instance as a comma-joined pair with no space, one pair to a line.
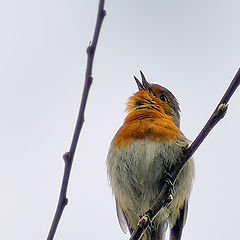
144,85
140,86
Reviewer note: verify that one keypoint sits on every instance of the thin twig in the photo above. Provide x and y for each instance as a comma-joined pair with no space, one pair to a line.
165,197
68,156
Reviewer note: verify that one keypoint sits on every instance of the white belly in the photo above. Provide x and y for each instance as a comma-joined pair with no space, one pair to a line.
136,174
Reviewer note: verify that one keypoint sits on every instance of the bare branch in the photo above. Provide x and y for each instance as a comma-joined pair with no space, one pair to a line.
68,157
165,197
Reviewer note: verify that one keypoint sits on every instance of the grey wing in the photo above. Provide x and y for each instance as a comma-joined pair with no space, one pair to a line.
122,219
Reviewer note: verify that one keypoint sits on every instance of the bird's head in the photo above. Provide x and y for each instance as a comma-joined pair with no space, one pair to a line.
154,97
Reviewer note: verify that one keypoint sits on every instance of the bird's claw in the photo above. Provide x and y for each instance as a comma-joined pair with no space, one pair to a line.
145,219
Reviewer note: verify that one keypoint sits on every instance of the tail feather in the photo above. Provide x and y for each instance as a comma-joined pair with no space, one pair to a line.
156,233
176,230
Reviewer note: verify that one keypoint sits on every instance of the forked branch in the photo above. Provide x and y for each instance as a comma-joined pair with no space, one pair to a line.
68,156
165,197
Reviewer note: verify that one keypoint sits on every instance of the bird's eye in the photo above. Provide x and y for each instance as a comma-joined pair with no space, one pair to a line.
163,98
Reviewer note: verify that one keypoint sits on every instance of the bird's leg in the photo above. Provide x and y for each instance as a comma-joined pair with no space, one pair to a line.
168,179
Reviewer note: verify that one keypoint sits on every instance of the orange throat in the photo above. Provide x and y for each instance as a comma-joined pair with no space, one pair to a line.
147,123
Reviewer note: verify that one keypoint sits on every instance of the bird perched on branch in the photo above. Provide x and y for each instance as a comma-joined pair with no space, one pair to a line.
143,150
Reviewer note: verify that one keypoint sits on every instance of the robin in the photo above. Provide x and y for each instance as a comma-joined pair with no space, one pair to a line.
143,150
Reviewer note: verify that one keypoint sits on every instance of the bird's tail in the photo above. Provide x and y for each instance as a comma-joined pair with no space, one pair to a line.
156,233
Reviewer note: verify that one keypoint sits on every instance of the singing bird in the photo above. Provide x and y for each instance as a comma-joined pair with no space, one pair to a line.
145,147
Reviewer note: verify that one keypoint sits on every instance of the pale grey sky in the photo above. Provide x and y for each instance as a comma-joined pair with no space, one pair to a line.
190,47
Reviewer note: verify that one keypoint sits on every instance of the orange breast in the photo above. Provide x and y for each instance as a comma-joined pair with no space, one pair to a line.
147,124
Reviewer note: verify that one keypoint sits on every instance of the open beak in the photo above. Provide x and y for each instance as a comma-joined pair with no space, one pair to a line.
144,85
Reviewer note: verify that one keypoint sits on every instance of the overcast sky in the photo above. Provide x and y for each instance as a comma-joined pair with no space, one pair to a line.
190,47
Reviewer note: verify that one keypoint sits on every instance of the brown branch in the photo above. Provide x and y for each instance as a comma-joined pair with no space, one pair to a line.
68,156
165,197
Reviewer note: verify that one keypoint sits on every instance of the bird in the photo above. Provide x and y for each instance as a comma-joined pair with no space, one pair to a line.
143,150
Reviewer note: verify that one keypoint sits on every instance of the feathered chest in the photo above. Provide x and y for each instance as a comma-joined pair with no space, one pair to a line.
142,162
147,125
